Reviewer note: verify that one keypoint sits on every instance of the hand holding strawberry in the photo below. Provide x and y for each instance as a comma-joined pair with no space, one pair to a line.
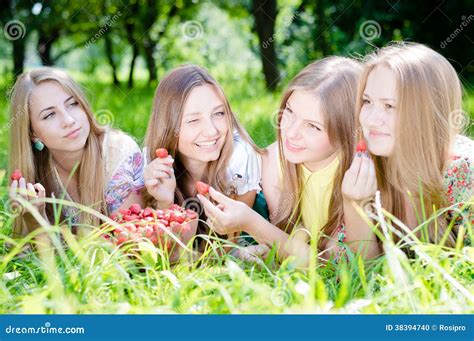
28,191
360,181
159,178
228,216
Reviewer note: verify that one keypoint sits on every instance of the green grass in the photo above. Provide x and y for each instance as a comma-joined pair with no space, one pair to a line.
90,276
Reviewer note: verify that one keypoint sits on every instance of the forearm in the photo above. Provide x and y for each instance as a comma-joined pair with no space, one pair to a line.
266,233
359,234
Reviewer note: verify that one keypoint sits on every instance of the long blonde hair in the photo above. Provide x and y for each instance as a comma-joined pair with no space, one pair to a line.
36,166
163,128
334,81
429,93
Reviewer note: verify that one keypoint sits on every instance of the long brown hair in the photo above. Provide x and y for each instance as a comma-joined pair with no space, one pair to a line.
334,81
36,166
429,93
165,121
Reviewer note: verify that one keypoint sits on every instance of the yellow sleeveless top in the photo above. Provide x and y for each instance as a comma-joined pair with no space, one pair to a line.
317,191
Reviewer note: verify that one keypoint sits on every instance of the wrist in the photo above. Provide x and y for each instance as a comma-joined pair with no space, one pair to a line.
248,221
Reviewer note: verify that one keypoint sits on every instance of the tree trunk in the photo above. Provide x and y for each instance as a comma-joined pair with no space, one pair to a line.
265,13
323,28
110,57
44,46
148,47
18,56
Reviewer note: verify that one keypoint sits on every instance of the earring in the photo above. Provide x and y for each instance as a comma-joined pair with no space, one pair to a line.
38,145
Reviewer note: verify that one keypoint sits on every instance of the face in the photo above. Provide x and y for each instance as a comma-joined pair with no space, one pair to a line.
204,125
378,113
303,131
57,119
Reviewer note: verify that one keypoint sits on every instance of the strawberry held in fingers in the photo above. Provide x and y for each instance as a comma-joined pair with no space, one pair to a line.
202,188
361,146
16,175
161,153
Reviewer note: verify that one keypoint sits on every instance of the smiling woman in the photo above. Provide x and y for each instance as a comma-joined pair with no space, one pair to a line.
193,120
410,113
63,152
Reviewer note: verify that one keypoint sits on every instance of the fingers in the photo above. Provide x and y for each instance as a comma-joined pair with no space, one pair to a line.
31,193
162,175
14,189
157,172
371,186
168,161
211,222
353,170
40,190
219,197
211,210
151,182
363,177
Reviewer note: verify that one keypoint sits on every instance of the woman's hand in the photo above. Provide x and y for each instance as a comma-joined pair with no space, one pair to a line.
30,192
229,216
252,253
360,182
160,181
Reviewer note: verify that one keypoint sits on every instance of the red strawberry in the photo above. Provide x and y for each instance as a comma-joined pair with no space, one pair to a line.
161,153
177,217
361,146
131,228
130,217
158,227
202,188
125,211
148,231
154,239
175,207
16,175
148,212
190,214
135,209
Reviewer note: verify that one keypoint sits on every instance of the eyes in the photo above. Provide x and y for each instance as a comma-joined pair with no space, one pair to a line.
216,115
71,104
387,106
287,114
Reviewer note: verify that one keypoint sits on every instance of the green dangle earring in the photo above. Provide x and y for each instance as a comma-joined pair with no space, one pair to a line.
38,145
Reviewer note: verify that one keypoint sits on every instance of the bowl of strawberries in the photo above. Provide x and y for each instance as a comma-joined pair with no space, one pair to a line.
169,229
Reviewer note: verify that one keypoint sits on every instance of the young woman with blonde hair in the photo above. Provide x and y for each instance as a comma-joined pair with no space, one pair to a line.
303,171
63,152
409,107
193,121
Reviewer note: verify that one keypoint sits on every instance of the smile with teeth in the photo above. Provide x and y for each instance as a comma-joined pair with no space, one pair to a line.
207,144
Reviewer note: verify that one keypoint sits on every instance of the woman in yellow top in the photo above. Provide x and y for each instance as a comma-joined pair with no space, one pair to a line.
303,171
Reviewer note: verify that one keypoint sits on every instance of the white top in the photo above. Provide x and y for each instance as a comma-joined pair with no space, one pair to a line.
244,170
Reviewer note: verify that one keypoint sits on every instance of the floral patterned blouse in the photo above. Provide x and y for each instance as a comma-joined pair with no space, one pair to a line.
458,181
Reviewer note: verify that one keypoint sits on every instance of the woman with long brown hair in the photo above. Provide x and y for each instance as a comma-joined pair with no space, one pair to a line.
409,107
193,121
